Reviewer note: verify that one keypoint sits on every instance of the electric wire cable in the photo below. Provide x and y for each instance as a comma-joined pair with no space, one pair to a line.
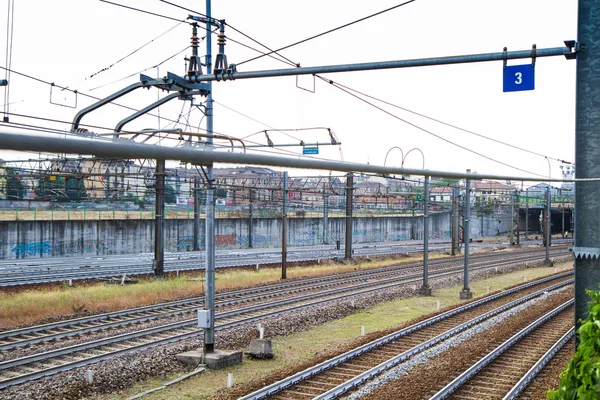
328,31
144,70
142,11
450,125
129,54
426,130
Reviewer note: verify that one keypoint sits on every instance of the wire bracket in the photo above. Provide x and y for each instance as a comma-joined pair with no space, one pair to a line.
505,58
533,55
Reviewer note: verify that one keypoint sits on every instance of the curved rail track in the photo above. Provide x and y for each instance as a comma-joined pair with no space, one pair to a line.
342,373
35,366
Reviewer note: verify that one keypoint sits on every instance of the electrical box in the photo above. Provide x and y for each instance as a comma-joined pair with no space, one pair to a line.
204,320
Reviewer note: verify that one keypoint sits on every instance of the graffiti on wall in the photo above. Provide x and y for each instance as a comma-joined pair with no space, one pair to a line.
61,247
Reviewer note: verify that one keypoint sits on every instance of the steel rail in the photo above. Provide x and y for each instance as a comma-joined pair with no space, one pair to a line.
24,275
491,356
252,310
333,393
187,306
539,366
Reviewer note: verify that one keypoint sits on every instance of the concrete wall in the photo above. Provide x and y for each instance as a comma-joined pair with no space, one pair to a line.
33,239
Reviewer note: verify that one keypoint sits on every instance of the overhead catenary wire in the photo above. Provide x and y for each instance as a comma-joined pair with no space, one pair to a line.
426,130
131,53
329,31
142,11
448,124
75,91
144,70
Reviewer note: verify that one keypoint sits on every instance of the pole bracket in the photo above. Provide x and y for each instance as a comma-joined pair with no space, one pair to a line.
574,47
586,252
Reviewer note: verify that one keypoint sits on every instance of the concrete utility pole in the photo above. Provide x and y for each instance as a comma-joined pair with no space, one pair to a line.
466,293
425,289
284,227
587,143
349,198
159,220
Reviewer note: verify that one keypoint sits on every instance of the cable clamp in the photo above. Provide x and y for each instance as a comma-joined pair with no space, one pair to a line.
505,57
533,55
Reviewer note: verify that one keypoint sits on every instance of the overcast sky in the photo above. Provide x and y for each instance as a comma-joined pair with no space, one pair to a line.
66,41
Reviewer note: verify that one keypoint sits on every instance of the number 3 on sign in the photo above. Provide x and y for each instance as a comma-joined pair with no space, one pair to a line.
519,77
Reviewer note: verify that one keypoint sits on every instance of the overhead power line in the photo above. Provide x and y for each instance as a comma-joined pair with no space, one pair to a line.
425,130
451,125
329,31
142,11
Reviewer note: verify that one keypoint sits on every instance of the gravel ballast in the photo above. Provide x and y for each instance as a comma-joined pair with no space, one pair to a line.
122,372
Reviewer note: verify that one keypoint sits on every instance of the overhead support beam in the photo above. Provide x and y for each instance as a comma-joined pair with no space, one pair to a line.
151,107
569,51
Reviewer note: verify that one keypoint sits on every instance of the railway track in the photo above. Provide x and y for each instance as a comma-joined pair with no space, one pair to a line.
342,373
504,371
64,329
27,368
46,270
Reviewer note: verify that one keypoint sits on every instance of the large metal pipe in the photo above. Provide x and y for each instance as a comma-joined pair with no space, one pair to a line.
31,141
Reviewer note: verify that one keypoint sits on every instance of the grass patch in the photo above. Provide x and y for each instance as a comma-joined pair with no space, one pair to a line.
18,308
301,346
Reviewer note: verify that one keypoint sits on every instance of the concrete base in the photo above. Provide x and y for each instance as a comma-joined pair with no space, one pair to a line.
222,358
548,263
260,348
191,358
425,291
214,360
466,294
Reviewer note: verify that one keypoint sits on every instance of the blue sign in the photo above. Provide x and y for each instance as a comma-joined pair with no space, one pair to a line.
519,77
310,150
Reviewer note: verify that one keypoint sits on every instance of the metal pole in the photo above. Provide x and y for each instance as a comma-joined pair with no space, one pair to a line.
250,218
425,289
209,303
159,219
512,220
472,58
325,215
562,207
196,214
455,239
481,217
412,221
349,198
526,214
466,293
284,227
547,261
